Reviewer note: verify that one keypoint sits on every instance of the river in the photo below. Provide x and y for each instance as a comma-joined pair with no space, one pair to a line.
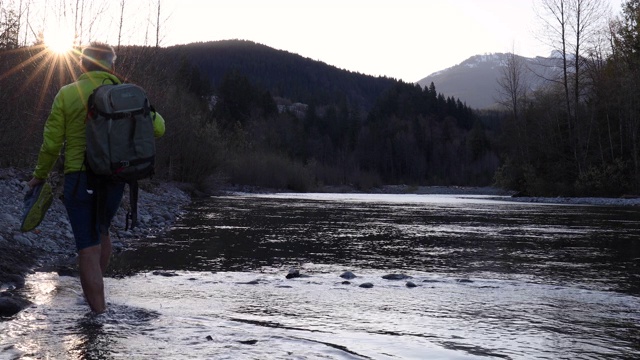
493,279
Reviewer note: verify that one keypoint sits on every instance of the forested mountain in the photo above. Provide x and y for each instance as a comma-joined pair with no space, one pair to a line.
282,73
356,129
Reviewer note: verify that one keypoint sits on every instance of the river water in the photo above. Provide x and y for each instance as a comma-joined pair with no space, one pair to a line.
494,280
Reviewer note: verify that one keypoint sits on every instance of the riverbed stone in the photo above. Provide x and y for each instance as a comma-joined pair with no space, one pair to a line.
8,218
14,280
366,285
252,282
11,305
410,284
348,275
396,277
22,240
295,273
165,273
248,342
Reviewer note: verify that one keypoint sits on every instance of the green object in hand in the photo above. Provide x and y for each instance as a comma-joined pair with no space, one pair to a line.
36,203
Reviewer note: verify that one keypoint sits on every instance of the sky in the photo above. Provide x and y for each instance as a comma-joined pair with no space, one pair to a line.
401,39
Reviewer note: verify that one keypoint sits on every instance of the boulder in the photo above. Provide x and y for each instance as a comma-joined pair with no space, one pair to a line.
11,305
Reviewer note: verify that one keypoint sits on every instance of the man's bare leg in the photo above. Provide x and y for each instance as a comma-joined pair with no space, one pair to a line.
91,277
105,254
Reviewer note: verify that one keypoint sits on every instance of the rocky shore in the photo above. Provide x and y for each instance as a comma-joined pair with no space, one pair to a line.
51,244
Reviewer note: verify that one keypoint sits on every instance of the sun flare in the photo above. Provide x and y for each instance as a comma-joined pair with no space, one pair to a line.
59,39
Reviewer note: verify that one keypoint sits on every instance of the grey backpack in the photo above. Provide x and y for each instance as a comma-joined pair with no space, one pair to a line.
120,137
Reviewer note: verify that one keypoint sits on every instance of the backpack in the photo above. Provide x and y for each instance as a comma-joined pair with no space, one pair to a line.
120,138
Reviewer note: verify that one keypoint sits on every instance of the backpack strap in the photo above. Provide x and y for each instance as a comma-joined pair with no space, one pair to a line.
122,115
132,215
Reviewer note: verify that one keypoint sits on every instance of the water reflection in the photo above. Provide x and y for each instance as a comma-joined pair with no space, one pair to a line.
559,244
59,325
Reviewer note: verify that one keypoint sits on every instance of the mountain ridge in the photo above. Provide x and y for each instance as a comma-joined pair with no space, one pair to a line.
283,73
474,81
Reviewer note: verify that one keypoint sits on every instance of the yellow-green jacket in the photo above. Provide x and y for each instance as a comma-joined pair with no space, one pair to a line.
66,124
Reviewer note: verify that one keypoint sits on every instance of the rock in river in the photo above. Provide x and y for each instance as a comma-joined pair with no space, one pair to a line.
10,305
348,275
396,277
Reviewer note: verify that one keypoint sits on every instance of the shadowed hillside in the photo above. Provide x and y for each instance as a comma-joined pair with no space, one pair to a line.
283,73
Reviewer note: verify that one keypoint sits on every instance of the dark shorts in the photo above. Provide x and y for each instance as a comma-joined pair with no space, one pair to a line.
81,206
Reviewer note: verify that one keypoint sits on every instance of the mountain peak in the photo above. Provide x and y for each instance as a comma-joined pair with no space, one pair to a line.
475,80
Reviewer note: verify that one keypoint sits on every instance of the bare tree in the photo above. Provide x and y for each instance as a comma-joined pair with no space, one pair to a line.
27,25
512,84
572,26
158,26
512,90
9,29
121,22
79,19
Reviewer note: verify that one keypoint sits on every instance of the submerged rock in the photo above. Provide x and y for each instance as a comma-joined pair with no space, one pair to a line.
366,285
164,273
410,284
68,271
348,275
396,277
11,305
11,281
464,280
248,342
293,273
252,282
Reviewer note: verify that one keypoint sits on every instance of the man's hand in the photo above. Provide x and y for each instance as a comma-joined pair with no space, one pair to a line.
34,181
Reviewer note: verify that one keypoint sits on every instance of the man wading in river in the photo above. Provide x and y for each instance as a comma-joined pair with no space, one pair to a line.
66,125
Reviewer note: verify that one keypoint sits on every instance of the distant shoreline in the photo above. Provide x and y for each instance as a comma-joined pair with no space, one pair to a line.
499,194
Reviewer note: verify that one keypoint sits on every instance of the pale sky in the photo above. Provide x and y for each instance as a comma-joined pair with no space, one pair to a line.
402,39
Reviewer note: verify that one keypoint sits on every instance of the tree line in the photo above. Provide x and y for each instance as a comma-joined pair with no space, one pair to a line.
27,22
579,134
235,119
236,132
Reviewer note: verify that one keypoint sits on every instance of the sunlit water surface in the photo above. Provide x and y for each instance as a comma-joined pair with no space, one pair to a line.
494,279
